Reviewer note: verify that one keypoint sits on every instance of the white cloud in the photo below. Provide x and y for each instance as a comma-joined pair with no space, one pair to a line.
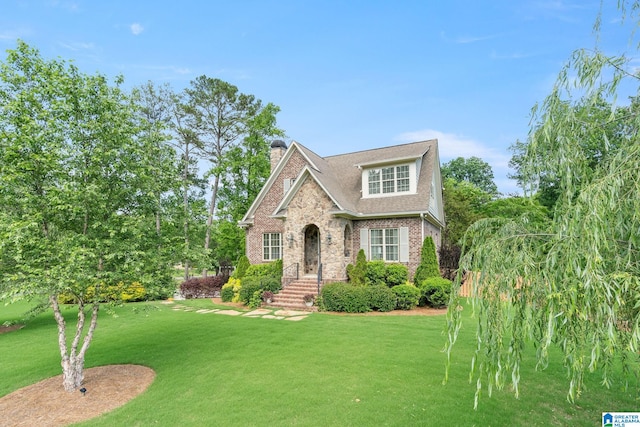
136,28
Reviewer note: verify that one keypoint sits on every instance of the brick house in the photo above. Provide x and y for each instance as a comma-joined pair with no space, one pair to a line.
316,212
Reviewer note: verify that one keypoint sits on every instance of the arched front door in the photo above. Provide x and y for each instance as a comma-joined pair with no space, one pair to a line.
311,249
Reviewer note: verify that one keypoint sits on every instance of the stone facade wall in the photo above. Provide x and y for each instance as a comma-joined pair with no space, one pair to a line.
312,206
263,223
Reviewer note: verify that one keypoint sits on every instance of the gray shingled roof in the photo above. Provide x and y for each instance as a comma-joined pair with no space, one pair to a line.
341,177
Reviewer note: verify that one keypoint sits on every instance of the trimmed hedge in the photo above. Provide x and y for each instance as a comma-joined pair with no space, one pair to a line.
345,297
435,292
396,274
202,287
381,298
408,296
376,273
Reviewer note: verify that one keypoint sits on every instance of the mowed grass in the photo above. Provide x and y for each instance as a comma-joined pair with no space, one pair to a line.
326,370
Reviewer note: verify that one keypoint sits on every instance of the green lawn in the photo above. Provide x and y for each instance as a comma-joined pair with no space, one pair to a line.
326,370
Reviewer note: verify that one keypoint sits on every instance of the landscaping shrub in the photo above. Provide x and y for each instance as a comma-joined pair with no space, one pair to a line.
381,298
435,292
251,284
358,273
396,274
408,296
231,290
376,273
241,267
256,299
345,297
202,287
273,269
120,292
428,262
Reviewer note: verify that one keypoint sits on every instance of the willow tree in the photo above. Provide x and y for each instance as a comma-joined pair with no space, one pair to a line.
76,195
574,284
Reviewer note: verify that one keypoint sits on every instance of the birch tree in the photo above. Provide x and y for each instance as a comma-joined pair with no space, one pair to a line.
76,193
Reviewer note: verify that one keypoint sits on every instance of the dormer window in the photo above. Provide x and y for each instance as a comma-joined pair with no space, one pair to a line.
389,180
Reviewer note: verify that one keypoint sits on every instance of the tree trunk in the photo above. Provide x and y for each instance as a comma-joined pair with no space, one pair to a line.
185,201
72,361
212,208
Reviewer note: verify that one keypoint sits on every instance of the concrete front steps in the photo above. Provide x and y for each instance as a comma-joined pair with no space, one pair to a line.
291,297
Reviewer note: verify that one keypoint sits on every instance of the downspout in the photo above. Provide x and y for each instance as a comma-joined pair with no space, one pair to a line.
422,226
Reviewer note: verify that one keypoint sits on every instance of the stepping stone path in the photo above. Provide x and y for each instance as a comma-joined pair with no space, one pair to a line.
265,313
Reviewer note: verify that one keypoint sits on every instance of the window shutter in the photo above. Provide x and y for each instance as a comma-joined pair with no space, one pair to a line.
404,244
364,241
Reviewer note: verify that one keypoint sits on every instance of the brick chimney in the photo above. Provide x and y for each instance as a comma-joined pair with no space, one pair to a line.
278,148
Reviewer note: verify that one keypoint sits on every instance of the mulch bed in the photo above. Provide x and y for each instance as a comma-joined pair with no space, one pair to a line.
47,403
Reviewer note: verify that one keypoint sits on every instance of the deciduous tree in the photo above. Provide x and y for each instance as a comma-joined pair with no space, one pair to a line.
78,211
575,285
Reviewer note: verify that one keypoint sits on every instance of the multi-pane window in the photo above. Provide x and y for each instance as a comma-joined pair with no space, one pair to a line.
271,246
374,181
384,244
402,178
392,179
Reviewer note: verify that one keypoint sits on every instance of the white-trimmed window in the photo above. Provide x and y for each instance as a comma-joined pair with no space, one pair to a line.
384,244
389,180
271,246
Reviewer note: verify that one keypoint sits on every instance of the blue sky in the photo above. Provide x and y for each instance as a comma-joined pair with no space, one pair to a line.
347,75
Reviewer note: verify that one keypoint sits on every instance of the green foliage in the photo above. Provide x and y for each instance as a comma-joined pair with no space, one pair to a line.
435,292
251,284
515,207
256,299
569,284
272,269
396,274
428,262
472,170
376,273
462,204
381,298
119,292
407,296
345,297
231,290
241,267
80,190
358,273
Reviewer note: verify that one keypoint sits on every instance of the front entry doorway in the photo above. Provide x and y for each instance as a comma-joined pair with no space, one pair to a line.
311,249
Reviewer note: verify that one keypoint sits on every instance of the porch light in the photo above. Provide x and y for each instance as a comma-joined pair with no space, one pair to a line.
328,237
290,239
